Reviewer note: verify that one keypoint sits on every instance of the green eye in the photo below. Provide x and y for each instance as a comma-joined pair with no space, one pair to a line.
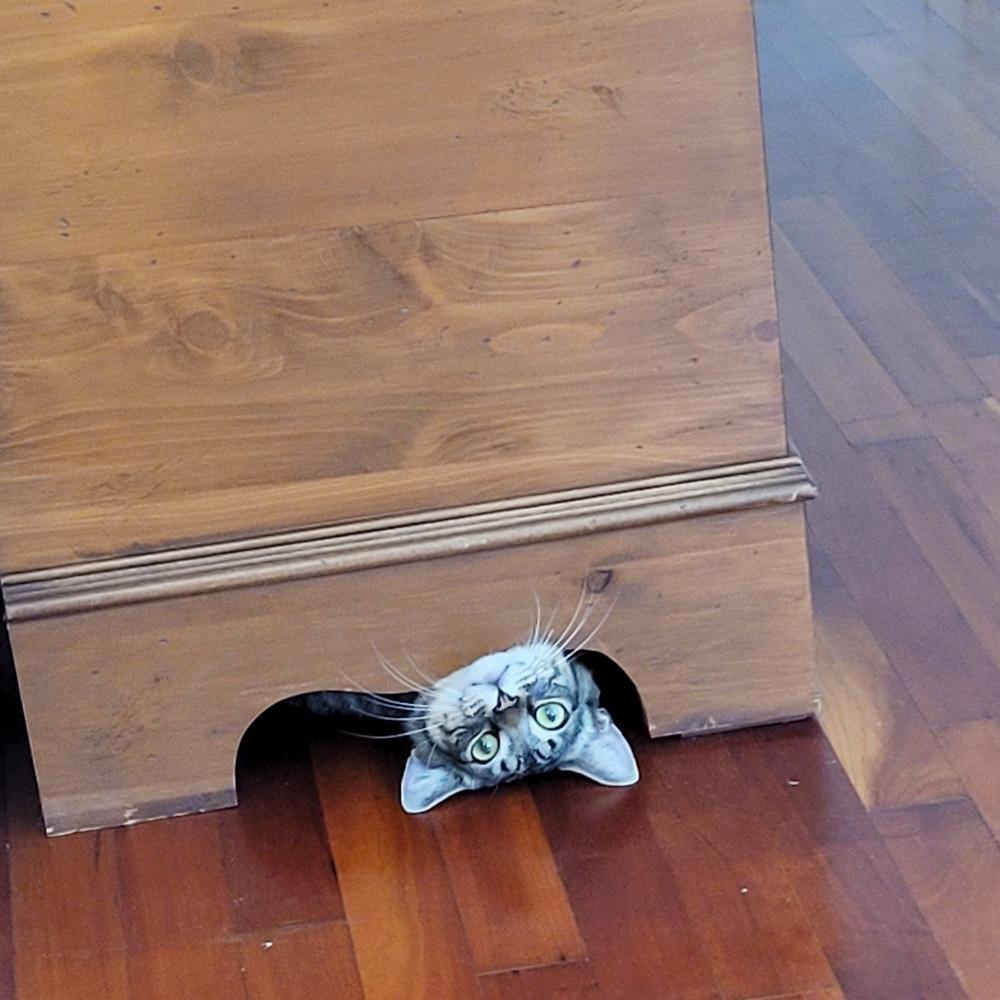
551,715
484,748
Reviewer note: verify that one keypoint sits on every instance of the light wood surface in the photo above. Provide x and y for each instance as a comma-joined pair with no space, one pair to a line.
234,389
709,617
197,123
269,268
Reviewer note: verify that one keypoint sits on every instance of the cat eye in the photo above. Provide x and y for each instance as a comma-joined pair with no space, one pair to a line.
551,715
484,748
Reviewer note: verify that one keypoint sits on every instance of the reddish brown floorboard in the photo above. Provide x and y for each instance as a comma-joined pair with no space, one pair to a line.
781,862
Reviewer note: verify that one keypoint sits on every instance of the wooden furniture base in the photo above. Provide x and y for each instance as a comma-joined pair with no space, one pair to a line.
140,675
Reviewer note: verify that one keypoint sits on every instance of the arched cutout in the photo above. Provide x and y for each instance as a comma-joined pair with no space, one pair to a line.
276,734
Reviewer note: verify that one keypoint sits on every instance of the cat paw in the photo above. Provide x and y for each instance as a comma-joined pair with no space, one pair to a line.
478,699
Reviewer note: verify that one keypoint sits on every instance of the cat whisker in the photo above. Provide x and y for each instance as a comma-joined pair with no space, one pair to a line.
420,673
564,641
387,736
590,636
580,605
397,674
383,699
533,637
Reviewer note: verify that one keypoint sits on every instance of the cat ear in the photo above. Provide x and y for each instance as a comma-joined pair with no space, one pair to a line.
425,786
605,756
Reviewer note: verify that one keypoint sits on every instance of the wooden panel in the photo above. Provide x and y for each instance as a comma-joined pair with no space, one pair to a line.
237,388
879,734
514,916
710,619
137,130
404,922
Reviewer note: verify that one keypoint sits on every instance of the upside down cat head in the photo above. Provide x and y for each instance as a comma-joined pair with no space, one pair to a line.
526,710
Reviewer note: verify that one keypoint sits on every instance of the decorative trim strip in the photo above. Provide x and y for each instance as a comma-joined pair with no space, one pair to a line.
386,541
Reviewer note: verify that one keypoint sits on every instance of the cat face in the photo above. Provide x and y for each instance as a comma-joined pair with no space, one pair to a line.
525,710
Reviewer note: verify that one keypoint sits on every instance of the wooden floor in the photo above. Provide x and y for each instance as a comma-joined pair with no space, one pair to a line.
770,863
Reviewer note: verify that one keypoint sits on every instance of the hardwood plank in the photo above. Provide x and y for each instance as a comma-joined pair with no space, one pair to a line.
900,597
396,890
515,916
955,532
881,739
988,370
936,112
759,939
68,933
565,981
625,894
72,977
162,912
847,19
315,961
189,971
898,427
968,433
174,158
909,200
287,383
972,748
868,924
840,367
970,73
952,866
274,845
925,367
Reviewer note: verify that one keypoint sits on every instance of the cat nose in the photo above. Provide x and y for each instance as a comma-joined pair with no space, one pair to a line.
504,702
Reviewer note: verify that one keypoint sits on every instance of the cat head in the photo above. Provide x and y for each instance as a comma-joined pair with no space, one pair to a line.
525,710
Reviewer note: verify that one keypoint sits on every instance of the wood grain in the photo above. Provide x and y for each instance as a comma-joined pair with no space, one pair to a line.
302,961
156,728
68,933
882,740
489,107
566,981
970,747
735,885
188,972
228,389
952,866
514,917
269,885
626,897
877,943
909,610
395,886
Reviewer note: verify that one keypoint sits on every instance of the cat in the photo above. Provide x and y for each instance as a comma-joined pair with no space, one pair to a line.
525,710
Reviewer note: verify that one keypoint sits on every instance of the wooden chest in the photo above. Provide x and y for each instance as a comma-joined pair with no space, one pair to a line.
353,323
